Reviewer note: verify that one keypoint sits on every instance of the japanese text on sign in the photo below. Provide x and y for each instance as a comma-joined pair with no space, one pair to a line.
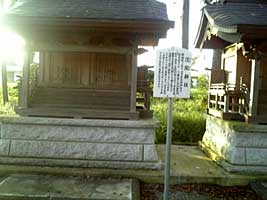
172,76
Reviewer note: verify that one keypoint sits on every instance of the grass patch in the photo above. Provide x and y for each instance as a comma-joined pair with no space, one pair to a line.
189,120
8,108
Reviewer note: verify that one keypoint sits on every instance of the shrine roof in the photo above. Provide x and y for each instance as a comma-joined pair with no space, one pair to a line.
90,9
231,21
228,16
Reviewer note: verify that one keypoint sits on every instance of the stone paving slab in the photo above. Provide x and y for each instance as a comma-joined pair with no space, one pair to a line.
35,187
187,196
188,165
260,188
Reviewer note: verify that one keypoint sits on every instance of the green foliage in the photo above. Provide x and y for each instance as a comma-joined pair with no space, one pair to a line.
8,109
188,118
202,82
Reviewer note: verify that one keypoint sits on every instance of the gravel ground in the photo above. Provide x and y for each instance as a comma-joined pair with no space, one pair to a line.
198,192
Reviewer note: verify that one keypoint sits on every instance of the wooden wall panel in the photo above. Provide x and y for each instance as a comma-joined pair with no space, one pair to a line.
230,64
41,68
47,66
100,70
263,73
243,69
85,69
57,61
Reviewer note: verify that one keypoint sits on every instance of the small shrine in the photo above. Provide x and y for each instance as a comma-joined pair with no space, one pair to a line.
87,53
77,101
236,134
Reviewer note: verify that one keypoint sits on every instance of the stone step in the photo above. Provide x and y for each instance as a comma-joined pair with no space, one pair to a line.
35,187
260,188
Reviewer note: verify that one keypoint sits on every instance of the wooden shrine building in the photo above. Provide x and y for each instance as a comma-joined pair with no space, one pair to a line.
86,52
238,29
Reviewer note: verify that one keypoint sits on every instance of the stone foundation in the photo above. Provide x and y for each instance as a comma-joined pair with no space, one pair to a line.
236,146
78,142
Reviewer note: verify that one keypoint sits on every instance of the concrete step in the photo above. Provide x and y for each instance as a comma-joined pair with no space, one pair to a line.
35,187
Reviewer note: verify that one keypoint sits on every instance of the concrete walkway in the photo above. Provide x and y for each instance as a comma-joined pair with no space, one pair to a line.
35,187
189,165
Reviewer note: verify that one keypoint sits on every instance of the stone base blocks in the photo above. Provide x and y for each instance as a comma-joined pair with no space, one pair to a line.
236,146
78,142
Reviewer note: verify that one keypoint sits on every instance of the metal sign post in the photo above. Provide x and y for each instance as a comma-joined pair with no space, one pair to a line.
168,150
172,79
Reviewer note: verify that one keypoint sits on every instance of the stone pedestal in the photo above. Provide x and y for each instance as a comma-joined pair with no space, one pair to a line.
78,142
236,146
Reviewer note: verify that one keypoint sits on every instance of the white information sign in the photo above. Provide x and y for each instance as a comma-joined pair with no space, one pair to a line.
172,77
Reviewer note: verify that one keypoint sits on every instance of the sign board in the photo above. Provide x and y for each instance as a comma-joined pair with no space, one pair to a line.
172,77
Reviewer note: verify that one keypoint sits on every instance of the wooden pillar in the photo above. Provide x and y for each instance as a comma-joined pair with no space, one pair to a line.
41,68
133,81
226,103
4,83
217,59
254,86
24,89
216,101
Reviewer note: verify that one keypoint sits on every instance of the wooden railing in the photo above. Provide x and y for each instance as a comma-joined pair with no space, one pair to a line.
145,90
229,98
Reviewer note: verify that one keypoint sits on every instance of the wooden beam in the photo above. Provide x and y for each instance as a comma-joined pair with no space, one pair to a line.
133,82
24,90
77,113
79,48
254,86
4,83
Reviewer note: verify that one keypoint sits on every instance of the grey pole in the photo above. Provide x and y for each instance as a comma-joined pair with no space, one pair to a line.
168,150
4,83
185,24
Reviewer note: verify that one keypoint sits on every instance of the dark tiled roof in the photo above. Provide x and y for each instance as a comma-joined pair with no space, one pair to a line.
230,15
91,9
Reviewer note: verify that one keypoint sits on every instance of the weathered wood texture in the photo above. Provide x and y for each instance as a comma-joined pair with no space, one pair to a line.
230,64
24,88
255,86
218,76
243,69
263,73
71,82
89,70
133,82
80,103
81,98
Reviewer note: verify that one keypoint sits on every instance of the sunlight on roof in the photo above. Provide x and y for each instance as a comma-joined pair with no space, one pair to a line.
11,44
